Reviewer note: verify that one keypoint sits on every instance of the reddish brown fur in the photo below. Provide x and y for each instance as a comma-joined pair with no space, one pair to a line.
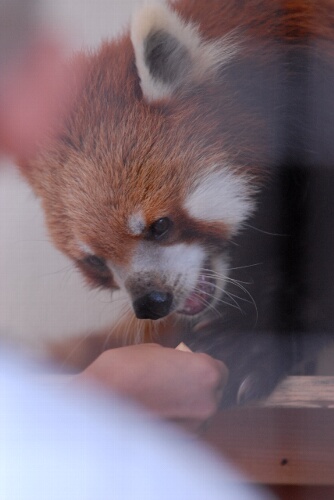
110,106
86,146
292,20
94,176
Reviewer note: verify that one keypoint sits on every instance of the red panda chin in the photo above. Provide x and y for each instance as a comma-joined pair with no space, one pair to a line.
201,297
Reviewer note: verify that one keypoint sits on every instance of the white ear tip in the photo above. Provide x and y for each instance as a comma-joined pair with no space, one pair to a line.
170,52
154,19
150,16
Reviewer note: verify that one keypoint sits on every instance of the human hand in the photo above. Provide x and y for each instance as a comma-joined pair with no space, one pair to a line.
177,385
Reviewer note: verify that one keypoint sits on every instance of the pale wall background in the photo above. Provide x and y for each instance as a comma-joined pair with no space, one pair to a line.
41,295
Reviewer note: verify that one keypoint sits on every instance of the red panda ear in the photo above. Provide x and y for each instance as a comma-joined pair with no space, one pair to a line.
170,52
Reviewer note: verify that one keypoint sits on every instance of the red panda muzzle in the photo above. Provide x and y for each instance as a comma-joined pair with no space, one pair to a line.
201,298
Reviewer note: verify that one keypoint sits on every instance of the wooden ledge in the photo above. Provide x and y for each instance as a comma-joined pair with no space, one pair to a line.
288,439
303,392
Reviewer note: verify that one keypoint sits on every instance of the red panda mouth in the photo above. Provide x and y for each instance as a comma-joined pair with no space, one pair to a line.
201,297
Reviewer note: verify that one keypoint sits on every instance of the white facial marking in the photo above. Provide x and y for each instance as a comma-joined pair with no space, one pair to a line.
173,268
166,263
136,223
206,57
84,248
172,259
179,269
221,196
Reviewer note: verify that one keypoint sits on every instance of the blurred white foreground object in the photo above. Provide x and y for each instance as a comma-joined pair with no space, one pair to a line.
68,446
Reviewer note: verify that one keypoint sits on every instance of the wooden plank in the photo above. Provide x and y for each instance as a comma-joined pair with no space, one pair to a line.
295,492
303,392
277,445
288,439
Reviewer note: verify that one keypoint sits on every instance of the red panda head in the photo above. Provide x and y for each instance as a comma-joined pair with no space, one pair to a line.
145,186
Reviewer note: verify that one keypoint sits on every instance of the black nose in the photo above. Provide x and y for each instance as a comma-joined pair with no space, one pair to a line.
154,305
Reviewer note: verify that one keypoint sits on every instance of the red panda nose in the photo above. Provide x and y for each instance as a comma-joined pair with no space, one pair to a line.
154,305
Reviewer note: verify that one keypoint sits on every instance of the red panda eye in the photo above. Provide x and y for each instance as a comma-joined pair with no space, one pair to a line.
160,228
94,261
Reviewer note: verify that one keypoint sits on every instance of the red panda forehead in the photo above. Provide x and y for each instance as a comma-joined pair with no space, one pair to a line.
114,204
111,111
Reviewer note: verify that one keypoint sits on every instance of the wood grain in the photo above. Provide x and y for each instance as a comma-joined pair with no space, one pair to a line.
303,392
288,439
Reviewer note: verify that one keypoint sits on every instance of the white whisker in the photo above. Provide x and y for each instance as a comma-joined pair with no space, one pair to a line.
239,284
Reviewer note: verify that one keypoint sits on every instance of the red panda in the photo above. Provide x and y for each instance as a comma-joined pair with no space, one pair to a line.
174,131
